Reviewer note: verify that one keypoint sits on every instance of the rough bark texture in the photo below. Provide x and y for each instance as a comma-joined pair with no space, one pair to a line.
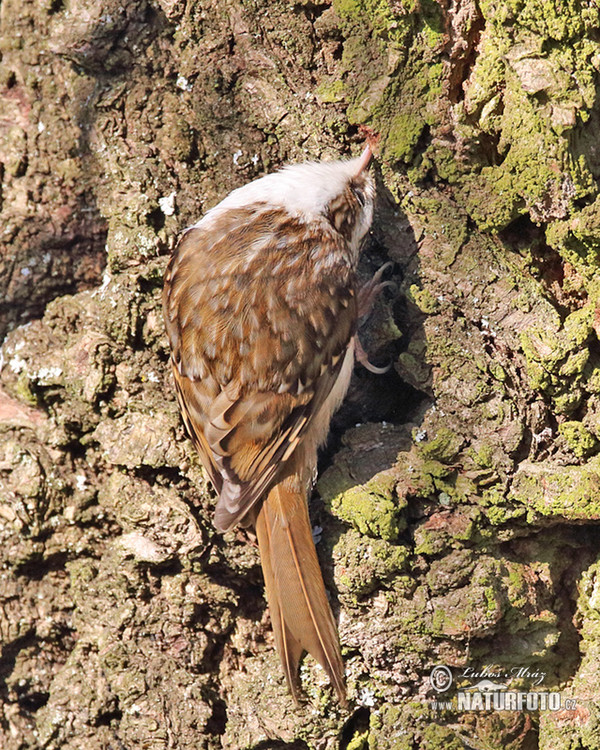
459,499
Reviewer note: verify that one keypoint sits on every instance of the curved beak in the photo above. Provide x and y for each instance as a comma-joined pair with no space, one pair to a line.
364,159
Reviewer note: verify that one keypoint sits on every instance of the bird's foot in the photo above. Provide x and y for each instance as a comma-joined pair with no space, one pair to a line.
363,358
369,292
366,299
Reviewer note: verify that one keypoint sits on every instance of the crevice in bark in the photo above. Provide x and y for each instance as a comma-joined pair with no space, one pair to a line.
562,283
464,24
37,569
107,718
56,265
358,723
217,722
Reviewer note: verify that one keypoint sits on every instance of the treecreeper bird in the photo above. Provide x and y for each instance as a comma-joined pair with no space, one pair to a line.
261,307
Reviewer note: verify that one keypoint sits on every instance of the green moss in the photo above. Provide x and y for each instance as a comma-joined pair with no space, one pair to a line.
24,391
360,741
533,170
575,363
571,492
578,326
482,454
429,542
447,166
373,509
541,16
438,737
352,9
537,172
442,220
443,447
391,727
498,510
579,439
519,586
363,564
593,380
391,22
490,596
436,471
424,300
402,136
394,76
445,531
330,91
557,357
567,403
578,239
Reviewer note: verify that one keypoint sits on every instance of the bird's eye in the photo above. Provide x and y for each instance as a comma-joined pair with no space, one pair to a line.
360,196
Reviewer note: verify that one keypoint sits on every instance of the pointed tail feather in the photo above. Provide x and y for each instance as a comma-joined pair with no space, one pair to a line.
300,613
288,648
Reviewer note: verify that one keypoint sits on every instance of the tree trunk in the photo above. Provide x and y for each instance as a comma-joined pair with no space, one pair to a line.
460,493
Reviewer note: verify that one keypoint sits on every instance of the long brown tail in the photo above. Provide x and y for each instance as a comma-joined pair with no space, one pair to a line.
300,613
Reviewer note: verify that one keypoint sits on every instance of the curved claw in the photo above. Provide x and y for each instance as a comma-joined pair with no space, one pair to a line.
362,357
372,289
379,273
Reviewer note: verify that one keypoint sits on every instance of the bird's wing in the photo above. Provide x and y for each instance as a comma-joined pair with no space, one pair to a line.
259,321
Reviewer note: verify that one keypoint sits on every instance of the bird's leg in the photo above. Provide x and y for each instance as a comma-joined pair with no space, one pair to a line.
367,295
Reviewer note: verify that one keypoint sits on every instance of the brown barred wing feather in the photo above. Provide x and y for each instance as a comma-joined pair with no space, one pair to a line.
258,340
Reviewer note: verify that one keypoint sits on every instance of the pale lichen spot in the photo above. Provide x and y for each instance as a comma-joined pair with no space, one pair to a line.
167,204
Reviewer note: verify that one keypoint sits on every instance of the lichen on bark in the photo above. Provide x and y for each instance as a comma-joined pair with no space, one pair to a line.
458,498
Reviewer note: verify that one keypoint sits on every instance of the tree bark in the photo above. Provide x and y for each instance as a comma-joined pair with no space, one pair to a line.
459,496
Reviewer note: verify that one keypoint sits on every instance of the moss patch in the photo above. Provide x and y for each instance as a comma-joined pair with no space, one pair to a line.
570,492
373,509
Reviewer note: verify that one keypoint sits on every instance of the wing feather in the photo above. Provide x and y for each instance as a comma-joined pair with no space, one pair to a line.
257,343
